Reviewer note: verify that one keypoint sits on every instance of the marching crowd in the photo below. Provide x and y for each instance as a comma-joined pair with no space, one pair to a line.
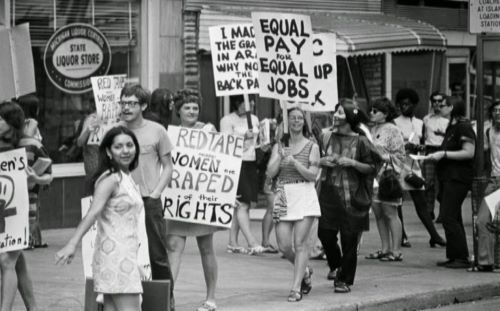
320,189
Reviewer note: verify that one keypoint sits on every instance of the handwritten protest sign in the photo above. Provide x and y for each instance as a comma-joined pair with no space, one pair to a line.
284,50
88,246
205,178
234,59
107,91
324,82
14,202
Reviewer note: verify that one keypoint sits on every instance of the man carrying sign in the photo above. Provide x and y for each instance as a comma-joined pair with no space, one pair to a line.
153,173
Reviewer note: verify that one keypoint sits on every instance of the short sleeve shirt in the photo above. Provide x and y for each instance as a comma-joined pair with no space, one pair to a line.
457,170
410,127
435,127
154,144
237,125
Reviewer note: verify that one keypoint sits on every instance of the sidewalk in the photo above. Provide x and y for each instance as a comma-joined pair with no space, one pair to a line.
263,282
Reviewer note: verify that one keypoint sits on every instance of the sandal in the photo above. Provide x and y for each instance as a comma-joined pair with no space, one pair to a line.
294,296
235,249
392,257
376,255
341,287
306,284
207,306
256,250
269,249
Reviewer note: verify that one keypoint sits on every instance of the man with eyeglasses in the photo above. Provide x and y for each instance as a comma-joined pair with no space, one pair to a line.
434,128
152,175
486,239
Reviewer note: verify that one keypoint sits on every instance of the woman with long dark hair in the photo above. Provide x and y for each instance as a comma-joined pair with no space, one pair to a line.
455,168
295,166
116,203
349,164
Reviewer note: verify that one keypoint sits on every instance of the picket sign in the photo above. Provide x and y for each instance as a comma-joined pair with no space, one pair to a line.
88,246
206,170
14,202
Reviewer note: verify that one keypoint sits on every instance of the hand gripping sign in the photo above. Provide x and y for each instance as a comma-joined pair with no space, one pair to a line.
205,177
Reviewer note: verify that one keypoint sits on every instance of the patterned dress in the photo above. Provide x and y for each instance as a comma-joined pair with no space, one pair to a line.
115,267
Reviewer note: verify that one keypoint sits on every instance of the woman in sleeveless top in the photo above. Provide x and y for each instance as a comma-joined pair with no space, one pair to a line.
116,206
187,106
295,165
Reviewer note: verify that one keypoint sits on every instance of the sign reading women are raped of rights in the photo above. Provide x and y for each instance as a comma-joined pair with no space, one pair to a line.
205,177
14,202
234,59
107,91
324,82
284,50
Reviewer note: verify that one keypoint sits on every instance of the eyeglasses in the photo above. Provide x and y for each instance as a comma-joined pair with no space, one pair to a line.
129,103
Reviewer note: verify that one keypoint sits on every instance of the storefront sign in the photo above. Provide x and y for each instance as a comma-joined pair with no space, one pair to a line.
16,62
324,82
88,244
205,178
484,16
73,54
107,91
284,50
14,202
234,59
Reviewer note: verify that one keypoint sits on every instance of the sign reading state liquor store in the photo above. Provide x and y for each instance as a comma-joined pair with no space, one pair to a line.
73,54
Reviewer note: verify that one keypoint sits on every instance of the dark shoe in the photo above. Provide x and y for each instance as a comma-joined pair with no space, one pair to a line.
294,296
405,243
485,268
392,257
458,264
341,287
444,263
439,242
306,285
332,275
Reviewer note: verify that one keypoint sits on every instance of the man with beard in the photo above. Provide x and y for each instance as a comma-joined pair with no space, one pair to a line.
411,127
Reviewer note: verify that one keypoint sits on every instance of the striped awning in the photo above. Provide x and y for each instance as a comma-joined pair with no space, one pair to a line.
357,33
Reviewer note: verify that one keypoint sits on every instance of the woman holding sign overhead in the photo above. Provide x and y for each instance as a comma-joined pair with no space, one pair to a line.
187,107
116,206
296,204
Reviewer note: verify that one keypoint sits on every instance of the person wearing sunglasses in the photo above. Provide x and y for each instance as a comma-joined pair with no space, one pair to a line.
411,127
433,133
455,170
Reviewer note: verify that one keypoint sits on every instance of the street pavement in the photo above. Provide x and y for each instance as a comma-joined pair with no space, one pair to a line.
263,282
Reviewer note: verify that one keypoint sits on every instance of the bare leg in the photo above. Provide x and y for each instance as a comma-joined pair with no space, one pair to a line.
126,302
284,234
391,213
235,229
9,279
267,221
301,237
383,229
109,305
175,246
25,285
209,263
243,216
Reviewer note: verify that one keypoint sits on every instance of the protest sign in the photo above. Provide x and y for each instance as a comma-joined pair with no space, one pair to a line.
205,177
284,51
324,82
14,202
107,91
16,63
234,59
88,246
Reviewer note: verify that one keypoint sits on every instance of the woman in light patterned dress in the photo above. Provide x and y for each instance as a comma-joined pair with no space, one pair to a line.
116,206
187,107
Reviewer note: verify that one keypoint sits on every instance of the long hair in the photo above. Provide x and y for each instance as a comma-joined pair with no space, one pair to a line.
161,100
14,117
107,164
354,115
305,129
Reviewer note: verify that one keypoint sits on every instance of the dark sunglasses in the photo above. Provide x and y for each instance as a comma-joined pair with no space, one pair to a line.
437,100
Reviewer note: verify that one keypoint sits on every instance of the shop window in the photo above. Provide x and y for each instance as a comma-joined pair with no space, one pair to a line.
61,112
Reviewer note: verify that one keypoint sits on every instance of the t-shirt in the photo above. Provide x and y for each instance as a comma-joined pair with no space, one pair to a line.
410,127
456,170
234,124
154,143
492,141
435,126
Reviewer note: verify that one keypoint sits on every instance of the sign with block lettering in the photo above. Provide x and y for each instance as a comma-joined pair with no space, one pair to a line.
205,177
234,59
14,202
